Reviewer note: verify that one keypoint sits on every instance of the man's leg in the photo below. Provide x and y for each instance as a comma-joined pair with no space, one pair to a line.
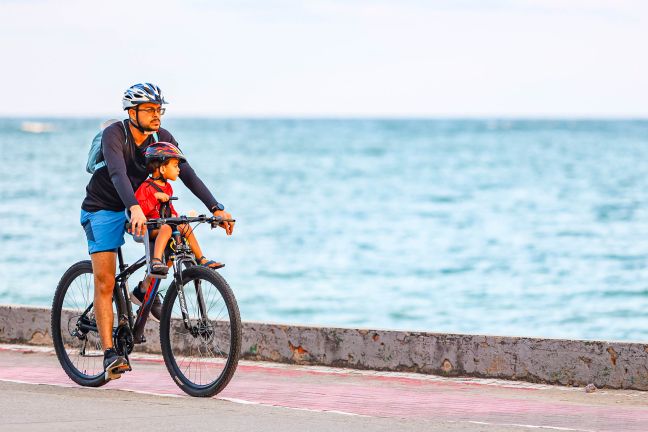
104,265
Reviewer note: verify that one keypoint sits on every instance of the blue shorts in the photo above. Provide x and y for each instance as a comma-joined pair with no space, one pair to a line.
104,230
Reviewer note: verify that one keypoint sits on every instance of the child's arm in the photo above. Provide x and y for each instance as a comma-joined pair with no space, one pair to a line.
146,200
174,213
161,196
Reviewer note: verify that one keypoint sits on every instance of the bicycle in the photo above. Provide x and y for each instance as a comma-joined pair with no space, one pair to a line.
200,326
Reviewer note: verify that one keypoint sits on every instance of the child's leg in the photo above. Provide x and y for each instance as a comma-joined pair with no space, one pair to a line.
161,240
187,231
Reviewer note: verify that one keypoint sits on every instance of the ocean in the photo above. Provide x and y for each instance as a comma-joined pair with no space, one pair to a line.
502,227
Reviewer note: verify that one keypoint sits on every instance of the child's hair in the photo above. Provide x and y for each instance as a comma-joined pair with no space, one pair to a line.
155,164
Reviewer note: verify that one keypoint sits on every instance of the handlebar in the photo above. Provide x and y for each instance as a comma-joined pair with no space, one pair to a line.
214,221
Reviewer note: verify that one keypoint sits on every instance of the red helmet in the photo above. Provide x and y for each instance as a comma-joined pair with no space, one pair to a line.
162,151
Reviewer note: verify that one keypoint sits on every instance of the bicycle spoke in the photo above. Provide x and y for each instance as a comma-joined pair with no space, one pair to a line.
83,352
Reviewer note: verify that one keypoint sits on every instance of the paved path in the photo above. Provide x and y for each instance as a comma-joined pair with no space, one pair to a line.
268,396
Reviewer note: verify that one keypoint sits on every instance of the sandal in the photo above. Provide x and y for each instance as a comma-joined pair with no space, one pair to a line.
203,261
158,267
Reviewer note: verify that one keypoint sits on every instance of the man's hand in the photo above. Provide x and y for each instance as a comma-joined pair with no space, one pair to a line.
161,196
138,221
227,226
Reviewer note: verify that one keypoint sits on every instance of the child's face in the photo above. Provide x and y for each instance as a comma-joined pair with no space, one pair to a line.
171,170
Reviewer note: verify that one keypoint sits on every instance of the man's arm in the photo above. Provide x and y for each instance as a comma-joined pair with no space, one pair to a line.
112,146
189,176
196,186
199,189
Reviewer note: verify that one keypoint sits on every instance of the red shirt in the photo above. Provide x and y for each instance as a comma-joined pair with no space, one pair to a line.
146,198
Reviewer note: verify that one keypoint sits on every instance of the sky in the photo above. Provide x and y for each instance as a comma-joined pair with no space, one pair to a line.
328,58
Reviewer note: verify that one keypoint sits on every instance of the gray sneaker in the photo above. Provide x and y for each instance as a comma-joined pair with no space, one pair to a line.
114,365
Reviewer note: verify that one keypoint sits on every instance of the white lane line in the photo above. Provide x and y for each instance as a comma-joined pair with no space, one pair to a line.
528,426
247,402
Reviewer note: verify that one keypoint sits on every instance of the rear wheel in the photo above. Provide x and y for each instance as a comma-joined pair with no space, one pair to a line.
74,327
201,355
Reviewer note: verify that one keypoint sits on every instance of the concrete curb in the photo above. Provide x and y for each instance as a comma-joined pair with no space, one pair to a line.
553,361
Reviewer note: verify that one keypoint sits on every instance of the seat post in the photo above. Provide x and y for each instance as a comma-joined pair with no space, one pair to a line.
147,248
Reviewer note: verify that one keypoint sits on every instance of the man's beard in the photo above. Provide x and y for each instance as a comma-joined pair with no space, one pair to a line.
148,130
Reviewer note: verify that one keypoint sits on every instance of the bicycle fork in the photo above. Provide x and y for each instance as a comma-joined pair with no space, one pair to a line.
202,308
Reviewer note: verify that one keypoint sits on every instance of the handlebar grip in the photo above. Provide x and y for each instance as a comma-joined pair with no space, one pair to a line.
217,223
173,198
129,225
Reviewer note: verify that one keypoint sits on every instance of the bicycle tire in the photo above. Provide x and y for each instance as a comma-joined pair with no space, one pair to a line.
85,368
216,331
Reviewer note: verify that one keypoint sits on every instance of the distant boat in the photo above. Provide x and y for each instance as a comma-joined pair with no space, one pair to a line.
36,127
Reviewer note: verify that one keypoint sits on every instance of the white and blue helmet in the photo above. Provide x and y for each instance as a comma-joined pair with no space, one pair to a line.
142,93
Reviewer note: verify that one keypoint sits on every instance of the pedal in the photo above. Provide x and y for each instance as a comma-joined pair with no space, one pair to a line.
110,375
155,275
125,368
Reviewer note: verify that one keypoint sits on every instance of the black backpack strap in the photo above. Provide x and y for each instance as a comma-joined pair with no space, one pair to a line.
156,187
127,147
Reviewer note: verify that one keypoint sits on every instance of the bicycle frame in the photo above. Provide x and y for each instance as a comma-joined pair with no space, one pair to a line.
181,256
185,327
130,329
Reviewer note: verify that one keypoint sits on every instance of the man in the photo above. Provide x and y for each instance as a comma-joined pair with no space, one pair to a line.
111,190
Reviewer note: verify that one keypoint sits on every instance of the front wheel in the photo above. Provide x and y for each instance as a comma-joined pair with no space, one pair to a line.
201,353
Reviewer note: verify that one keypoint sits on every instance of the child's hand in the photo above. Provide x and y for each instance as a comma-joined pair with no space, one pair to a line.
161,196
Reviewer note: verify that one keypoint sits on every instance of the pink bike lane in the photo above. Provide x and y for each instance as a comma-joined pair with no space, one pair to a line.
367,393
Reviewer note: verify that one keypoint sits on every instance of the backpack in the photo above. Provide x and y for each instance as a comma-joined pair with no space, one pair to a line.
95,156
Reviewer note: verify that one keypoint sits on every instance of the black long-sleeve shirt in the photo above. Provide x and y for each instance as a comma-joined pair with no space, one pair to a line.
112,187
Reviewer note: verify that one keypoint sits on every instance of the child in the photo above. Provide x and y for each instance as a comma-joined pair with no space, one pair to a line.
162,162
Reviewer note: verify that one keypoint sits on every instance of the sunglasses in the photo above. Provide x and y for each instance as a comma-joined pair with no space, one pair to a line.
150,111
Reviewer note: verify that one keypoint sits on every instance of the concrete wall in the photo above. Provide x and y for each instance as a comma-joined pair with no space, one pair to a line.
554,361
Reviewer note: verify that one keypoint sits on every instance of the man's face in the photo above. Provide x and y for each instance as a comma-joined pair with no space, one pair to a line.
148,116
